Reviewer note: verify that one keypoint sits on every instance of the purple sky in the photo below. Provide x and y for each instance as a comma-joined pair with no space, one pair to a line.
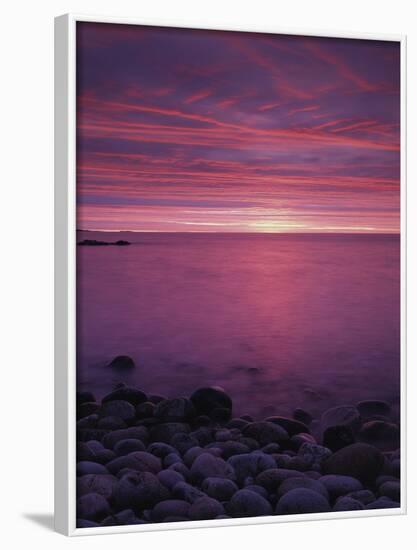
190,130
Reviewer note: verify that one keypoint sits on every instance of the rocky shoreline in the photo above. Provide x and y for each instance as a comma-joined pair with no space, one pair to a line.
147,459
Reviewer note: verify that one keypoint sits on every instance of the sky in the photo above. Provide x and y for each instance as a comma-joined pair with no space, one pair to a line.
191,130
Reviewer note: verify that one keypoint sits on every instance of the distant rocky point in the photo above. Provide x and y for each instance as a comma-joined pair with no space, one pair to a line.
94,242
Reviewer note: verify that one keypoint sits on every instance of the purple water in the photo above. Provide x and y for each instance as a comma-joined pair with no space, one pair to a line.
279,321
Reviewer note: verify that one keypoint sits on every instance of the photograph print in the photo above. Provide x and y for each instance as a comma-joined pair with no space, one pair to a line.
238,275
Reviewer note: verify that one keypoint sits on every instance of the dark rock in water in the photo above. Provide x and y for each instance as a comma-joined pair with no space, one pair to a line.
314,455
165,432
291,426
221,415
139,461
373,407
119,408
302,501
183,442
339,485
95,242
296,441
145,410
126,446
238,423
205,400
86,523
111,423
247,417
304,483
122,362
139,432
246,503
161,450
155,399
205,508
250,464
382,502
271,479
122,243
231,448
337,437
101,484
139,491
265,432
359,460
345,415
175,410
187,492
223,435
125,517
132,395
203,435
169,508
88,422
203,420
86,409
169,478
220,489
347,504
93,507
85,467
365,496
391,490
384,435
207,465
302,416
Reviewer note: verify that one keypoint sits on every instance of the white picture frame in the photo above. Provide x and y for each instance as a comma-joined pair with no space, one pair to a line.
65,280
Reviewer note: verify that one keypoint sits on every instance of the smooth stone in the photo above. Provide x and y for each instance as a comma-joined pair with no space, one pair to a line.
95,446
169,478
111,423
155,399
84,397
167,508
145,410
84,453
175,410
87,409
135,432
104,456
161,450
247,503
290,425
391,490
340,485
359,460
250,464
126,446
221,415
92,506
272,478
205,508
139,491
347,504
203,420
238,423
206,399
299,463
87,467
81,523
183,442
204,435
131,395
181,469
223,435
163,433
257,489
382,502
218,488
265,432
303,483
247,417
271,448
119,408
122,362
337,437
302,501
302,416
125,517
384,435
139,461
296,441
250,442
102,484
282,460
383,478
87,434
171,459
364,495
373,407
345,415
232,448
87,422
185,491
314,455
207,465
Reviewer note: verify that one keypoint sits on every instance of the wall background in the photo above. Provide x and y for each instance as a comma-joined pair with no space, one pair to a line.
26,272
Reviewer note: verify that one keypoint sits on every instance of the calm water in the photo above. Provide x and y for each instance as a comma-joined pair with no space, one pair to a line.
279,321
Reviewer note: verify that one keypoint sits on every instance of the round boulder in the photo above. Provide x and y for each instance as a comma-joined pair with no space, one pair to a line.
384,435
121,409
341,416
205,400
174,410
265,432
218,488
92,506
247,503
139,491
347,504
304,483
361,461
338,485
337,437
170,508
122,362
206,465
302,501
205,508
139,461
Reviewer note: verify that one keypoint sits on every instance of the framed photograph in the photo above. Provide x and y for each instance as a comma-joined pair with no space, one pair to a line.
230,284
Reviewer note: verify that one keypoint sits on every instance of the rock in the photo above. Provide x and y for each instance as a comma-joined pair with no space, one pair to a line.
204,436
271,479
171,459
232,448
84,453
271,448
282,461
365,496
87,467
384,435
165,432
265,432
250,464
92,506
203,420
192,454
302,416
86,523
359,460
135,432
104,456
119,408
170,508
126,446
207,465
87,434
161,450
139,461
87,409
221,415
346,504
238,423
339,485
181,469
155,399
111,423
125,517
304,483
205,508
101,484
291,426
122,362
257,489
175,410
145,410
218,488
246,503
187,492
131,395
373,407
391,490
337,437
87,422
183,442
314,455
302,501
249,442
139,491
341,416
169,478
299,463
205,400
84,397
296,441
382,502
223,435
